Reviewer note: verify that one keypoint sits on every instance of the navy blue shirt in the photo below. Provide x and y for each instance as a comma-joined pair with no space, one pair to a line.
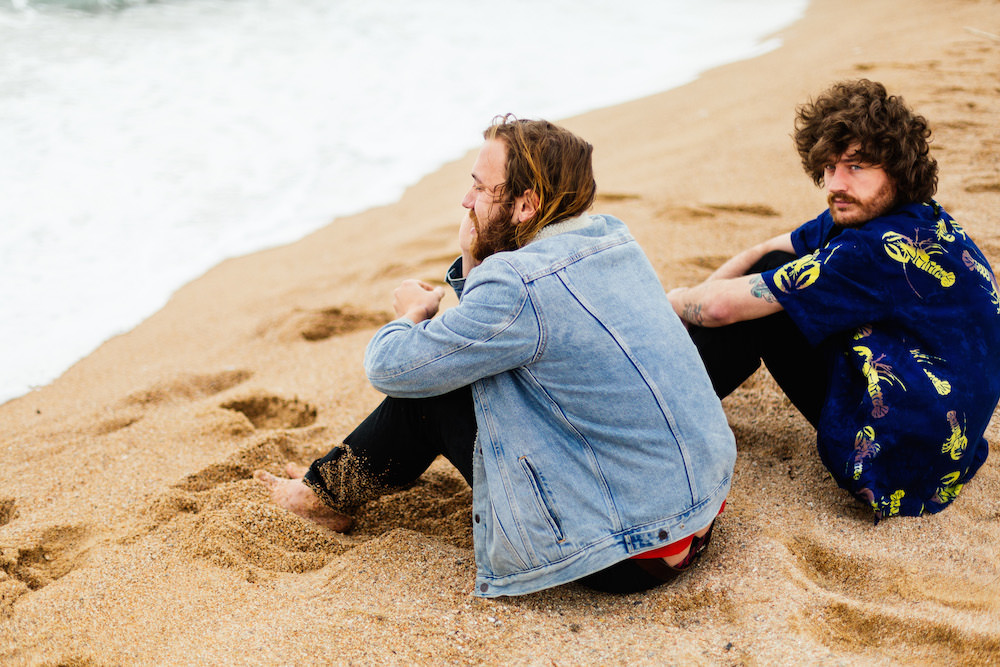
909,310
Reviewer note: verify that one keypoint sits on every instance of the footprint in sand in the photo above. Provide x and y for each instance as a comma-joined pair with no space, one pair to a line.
39,562
703,210
318,325
188,387
266,411
758,210
608,197
870,602
846,625
8,510
116,423
184,387
978,188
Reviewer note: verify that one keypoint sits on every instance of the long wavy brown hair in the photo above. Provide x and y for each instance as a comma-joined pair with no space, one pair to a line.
890,135
552,162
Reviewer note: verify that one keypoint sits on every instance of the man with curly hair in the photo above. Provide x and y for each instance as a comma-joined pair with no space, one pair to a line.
880,319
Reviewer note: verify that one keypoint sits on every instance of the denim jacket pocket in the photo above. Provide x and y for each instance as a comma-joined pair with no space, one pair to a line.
542,499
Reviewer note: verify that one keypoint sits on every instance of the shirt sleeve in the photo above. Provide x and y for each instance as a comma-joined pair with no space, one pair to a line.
810,236
493,329
837,288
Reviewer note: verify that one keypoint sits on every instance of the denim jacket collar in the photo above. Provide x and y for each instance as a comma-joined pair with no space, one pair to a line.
562,226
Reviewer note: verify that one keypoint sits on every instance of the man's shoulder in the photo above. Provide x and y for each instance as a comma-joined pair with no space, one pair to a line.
915,214
561,247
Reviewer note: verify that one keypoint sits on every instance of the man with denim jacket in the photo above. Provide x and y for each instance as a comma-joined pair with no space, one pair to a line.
563,387
880,319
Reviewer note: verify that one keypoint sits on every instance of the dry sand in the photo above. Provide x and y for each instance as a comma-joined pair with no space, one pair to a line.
131,531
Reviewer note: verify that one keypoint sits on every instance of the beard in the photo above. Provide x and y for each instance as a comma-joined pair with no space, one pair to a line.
494,235
863,210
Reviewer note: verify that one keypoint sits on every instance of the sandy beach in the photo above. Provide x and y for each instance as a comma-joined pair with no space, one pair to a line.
132,532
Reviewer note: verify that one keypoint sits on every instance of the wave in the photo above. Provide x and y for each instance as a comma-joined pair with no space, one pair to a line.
86,6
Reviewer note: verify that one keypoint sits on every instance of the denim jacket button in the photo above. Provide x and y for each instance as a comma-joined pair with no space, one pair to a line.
663,535
484,587
475,518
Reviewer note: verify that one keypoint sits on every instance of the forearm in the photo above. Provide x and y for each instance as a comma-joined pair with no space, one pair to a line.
740,264
716,303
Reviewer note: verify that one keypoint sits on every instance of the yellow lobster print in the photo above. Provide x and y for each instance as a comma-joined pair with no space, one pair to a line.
941,230
957,442
865,448
800,273
876,372
976,266
908,251
949,489
943,387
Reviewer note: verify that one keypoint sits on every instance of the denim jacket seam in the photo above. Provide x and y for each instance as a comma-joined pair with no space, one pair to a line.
641,370
577,256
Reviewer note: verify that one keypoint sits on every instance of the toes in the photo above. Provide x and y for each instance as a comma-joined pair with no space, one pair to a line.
266,478
295,471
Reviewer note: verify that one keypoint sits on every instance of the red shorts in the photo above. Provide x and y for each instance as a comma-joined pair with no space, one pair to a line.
673,548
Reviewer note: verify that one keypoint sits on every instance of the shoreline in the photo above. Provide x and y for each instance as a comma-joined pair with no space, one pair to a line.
131,531
298,193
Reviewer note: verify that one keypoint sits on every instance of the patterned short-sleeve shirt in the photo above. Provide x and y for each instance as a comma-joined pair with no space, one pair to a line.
909,310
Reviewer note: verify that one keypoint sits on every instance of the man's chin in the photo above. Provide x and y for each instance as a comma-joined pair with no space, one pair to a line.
842,219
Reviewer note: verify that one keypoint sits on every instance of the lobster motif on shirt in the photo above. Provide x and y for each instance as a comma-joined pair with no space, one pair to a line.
949,489
876,372
957,442
976,266
943,387
908,251
941,230
798,274
865,448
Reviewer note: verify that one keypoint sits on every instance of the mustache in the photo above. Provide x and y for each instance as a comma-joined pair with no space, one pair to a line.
841,199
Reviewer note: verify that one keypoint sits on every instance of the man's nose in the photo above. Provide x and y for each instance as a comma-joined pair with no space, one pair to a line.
835,181
469,200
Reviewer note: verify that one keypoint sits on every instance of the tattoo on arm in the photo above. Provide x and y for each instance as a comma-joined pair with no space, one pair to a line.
692,313
758,288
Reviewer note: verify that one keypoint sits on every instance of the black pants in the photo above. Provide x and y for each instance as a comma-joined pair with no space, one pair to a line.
393,447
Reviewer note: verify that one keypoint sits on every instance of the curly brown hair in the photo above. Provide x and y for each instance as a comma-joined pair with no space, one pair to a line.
889,133
550,161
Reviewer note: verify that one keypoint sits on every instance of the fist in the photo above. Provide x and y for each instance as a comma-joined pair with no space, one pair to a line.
417,300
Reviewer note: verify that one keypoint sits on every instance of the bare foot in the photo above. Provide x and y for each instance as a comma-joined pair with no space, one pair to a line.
295,471
297,498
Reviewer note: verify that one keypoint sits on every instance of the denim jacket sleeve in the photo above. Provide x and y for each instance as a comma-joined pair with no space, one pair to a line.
494,328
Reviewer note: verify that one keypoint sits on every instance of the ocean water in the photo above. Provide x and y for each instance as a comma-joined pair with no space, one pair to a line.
141,143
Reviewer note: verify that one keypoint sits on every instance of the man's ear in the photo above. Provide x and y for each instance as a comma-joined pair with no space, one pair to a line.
526,206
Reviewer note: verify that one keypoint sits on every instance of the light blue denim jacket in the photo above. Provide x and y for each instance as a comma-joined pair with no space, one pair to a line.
599,433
